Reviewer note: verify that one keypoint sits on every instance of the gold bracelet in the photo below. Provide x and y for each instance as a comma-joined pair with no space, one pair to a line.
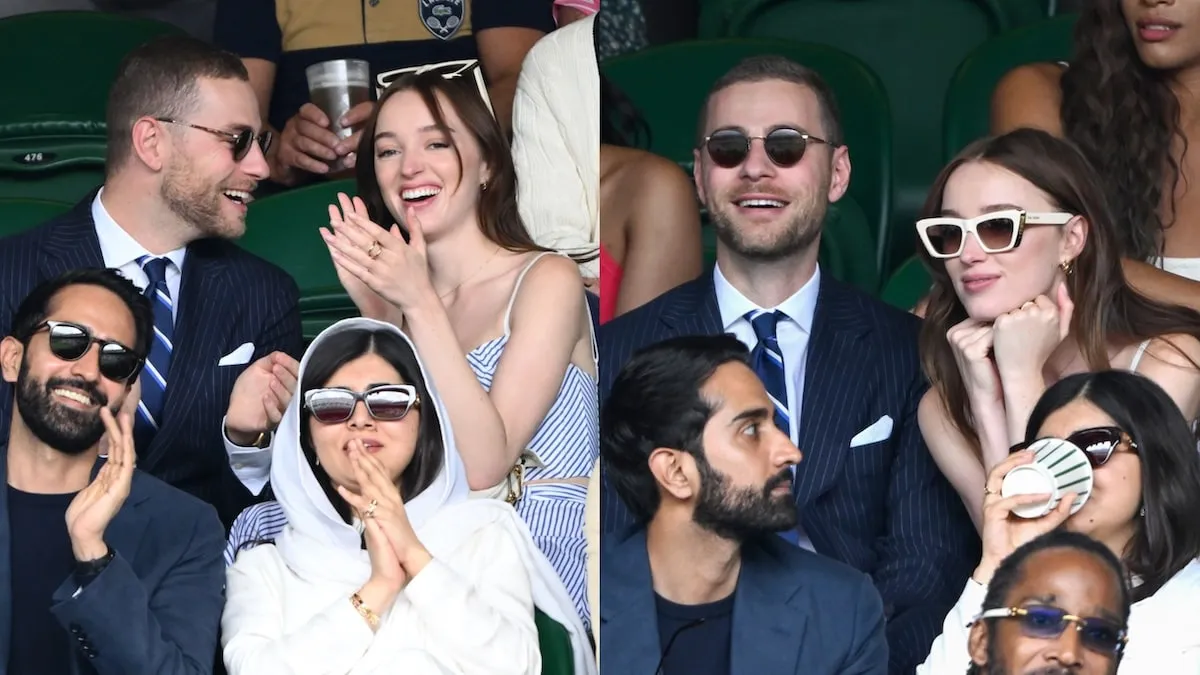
361,607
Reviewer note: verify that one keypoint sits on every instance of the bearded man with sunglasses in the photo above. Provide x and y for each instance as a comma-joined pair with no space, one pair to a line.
841,367
103,569
184,155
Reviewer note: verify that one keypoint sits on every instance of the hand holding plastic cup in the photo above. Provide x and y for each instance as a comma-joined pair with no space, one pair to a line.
1059,467
337,86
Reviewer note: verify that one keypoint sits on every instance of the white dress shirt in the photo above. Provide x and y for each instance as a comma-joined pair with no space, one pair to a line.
793,335
121,252
1162,631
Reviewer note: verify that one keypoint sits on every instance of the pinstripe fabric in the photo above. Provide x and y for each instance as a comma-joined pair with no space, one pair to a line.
882,508
228,297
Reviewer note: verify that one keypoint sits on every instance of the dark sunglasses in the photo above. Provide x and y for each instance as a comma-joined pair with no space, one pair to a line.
241,140
785,146
69,342
997,232
1098,443
387,403
1047,623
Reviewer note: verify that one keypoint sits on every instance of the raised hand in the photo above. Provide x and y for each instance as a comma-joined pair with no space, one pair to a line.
381,260
380,497
1027,336
971,343
94,507
260,396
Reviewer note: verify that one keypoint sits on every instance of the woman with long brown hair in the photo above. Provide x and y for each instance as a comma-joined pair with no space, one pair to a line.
1028,289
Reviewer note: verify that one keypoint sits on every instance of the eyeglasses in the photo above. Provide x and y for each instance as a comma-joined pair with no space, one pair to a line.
785,146
1098,443
241,140
387,403
996,232
1047,623
70,342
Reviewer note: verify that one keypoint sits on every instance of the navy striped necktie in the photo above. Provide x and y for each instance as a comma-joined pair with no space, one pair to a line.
158,365
767,359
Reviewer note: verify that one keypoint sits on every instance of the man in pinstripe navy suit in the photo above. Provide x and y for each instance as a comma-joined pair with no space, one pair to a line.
842,368
184,155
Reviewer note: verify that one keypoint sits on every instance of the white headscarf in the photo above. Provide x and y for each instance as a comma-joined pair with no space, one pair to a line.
319,546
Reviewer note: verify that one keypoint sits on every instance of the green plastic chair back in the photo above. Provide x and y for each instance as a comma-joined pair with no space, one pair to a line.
914,46
969,97
669,85
18,215
61,65
283,229
555,642
907,285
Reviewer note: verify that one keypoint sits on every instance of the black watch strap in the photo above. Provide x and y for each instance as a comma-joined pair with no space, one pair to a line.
87,570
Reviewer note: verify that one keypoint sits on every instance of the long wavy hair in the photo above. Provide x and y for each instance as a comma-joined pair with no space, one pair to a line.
1107,310
1124,117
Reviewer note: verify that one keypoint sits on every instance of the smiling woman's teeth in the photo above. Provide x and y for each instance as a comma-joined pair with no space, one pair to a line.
419,193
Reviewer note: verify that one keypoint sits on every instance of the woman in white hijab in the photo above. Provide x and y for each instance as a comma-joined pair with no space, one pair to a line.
385,566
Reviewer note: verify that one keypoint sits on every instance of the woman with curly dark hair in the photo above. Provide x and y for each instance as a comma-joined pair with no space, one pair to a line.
1130,100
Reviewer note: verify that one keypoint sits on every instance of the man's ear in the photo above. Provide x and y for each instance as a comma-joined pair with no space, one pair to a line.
977,644
670,469
12,352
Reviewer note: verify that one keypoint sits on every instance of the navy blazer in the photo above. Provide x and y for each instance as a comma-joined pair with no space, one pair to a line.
793,612
228,297
883,508
156,608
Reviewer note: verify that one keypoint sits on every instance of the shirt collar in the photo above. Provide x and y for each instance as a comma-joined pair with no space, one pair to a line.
799,307
117,247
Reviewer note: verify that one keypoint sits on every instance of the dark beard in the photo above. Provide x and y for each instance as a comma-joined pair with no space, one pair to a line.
196,204
67,430
800,235
739,514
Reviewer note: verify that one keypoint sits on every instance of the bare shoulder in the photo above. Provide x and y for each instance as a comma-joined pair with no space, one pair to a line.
1029,96
1178,350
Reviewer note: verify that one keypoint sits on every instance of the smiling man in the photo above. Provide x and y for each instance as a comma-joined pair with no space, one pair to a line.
184,153
103,570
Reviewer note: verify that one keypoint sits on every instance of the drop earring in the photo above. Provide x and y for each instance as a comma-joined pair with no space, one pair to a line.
1067,266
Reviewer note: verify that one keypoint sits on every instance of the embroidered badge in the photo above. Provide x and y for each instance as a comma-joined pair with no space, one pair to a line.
442,18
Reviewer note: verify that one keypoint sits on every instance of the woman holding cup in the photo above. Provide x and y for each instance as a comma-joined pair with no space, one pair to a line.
1028,289
1143,505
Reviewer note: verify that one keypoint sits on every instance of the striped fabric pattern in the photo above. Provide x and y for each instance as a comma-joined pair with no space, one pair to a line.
158,365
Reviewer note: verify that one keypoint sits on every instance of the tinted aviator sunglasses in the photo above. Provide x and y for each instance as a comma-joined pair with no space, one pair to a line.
1047,623
996,232
785,146
70,342
241,140
1098,443
386,403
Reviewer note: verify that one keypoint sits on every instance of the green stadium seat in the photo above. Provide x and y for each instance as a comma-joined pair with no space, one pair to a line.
969,97
555,642
907,285
18,215
669,84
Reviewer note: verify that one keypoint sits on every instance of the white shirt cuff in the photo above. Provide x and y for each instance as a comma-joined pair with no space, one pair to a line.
251,465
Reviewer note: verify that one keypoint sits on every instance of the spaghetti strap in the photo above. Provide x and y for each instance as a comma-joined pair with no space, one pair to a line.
1137,357
517,287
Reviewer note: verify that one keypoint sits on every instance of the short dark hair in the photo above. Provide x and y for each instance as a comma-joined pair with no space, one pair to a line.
341,348
158,79
771,67
1014,567
34,309
655,402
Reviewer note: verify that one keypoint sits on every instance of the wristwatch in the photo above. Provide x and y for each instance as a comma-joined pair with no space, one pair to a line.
87,570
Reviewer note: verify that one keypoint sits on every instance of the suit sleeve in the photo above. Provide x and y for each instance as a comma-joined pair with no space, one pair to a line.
869,646
929,547
167,630
281,330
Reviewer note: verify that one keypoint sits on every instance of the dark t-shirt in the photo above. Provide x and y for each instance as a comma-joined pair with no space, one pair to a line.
698,648
41,560
388,34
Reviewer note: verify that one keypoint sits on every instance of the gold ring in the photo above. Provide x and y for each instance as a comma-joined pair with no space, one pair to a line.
988,491
375,250
370,512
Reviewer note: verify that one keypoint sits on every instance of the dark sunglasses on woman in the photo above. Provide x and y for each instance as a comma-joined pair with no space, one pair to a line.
70,341
996,232
386,403
1047,623
240,141
1098,443
785,146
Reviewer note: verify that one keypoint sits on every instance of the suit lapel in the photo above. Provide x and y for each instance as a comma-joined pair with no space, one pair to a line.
694,311
71,242
5,565
834,370
768,626
628,617
201,318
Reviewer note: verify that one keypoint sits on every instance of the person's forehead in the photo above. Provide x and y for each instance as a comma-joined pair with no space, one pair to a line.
735,388
1077,581
226,103
758,106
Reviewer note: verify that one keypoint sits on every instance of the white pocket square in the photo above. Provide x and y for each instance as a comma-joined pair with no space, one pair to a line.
238,357
881,430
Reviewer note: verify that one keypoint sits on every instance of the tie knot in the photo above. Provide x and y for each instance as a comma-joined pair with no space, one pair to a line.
765,323
155,269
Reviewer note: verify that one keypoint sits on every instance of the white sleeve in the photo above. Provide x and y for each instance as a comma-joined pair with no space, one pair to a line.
251,465
949,654
252,626
479,609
